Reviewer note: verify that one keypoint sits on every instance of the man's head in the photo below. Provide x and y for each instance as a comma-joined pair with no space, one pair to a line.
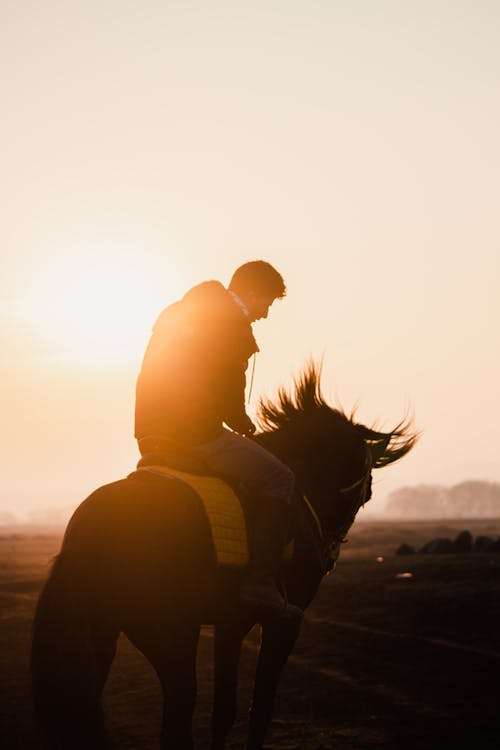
257,284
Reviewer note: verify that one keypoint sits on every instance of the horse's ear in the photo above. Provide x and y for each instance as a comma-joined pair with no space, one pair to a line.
387,447
378,449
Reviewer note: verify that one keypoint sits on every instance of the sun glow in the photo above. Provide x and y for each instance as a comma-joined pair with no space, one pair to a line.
97,312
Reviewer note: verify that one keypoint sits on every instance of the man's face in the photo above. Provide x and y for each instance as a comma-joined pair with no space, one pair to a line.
258,305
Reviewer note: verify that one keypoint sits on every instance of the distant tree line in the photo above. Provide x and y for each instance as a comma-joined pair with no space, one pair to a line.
471,499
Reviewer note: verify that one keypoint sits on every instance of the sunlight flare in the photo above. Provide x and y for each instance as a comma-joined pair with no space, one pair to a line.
96,311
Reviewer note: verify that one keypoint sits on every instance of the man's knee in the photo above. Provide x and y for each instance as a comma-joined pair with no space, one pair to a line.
282,484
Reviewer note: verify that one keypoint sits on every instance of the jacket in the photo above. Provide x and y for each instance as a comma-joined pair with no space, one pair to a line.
193,376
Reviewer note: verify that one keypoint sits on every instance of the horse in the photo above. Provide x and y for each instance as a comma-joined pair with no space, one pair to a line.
137,557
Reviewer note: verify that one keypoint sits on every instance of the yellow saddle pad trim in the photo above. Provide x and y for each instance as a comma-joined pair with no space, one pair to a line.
223,510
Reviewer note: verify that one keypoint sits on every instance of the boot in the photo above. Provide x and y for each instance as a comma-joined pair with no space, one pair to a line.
260,590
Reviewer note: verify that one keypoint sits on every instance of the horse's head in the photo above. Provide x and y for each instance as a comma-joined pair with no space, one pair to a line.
332,455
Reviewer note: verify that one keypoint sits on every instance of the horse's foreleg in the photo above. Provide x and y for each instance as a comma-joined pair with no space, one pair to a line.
227,647
278,641
172,653
104,635
177,673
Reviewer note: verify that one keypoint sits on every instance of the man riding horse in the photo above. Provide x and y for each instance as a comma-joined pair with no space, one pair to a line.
192,383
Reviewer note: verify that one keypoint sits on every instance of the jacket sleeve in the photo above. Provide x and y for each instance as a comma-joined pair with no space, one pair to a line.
225,342
234,345
233,400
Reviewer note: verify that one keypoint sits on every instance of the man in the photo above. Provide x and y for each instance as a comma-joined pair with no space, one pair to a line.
192,383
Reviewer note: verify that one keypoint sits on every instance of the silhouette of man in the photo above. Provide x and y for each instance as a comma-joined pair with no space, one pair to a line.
192,383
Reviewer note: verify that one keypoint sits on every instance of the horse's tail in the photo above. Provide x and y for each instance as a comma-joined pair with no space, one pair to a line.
66,682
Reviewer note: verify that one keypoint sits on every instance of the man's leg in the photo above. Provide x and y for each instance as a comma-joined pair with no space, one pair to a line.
239,459
271,483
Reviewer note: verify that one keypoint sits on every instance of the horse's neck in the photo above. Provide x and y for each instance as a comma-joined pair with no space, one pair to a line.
271,441
307,566
276,443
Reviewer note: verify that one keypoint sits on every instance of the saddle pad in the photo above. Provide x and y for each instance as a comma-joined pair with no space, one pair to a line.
223,510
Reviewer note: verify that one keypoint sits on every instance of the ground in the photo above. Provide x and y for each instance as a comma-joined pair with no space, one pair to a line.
383,661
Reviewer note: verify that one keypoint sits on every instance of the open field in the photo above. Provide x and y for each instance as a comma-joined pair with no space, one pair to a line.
382,662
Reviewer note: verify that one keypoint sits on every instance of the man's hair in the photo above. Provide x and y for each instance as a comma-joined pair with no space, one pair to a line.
259,277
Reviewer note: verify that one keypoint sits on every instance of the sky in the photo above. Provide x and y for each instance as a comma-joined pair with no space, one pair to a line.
148,146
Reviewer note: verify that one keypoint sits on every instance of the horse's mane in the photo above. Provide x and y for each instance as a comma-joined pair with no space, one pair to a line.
304,405
303,401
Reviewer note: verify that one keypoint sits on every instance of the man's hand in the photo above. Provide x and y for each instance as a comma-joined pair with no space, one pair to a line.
242,424
244,427
249,429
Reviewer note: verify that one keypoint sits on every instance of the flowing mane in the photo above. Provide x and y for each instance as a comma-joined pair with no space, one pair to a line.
304,407
304,401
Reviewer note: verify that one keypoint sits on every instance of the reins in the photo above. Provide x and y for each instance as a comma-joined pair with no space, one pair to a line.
314,515
251,379
362,481
331,541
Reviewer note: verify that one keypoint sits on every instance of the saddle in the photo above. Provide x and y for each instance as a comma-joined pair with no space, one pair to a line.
222,506
225,506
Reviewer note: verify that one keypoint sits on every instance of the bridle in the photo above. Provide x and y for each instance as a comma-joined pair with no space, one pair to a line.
332,539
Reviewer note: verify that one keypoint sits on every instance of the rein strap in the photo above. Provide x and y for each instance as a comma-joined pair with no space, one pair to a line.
314,515
332,547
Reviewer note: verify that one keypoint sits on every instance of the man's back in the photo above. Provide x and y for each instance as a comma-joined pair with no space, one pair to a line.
193,374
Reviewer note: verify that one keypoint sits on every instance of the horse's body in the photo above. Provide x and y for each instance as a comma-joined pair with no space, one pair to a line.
137,558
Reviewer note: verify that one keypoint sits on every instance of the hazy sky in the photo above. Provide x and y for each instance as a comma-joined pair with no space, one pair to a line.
147,146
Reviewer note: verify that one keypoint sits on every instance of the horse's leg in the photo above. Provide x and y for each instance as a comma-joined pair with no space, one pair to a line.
67,670
172,652
228,636
104,638
177,673
278,640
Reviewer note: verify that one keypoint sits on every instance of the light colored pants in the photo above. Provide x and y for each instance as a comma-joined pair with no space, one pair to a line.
239,459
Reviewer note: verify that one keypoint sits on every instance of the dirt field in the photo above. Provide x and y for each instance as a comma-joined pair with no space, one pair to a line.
407,663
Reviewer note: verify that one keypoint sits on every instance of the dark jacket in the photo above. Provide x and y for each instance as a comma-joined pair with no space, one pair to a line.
192,378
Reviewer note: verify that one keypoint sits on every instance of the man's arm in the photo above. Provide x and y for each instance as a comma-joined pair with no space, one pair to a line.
232,396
